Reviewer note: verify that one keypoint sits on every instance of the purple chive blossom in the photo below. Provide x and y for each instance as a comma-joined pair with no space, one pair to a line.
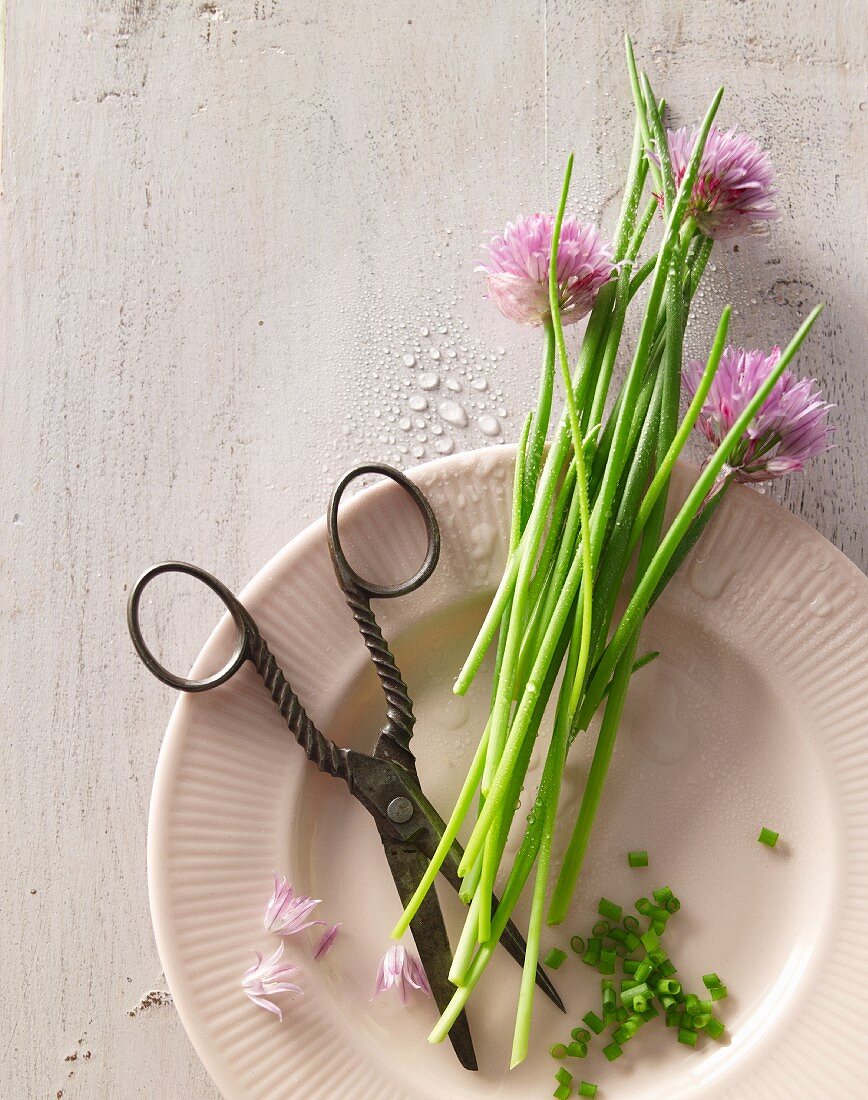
326,943
267,978
517,269
790,428
734,189
403,970
286,913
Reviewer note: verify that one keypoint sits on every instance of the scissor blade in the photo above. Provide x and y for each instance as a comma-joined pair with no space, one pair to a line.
407,865
511,939
427,840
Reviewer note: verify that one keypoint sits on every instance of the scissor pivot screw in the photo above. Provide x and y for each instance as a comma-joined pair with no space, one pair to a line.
400,810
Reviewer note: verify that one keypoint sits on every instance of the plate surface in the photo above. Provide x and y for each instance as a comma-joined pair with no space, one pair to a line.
754,714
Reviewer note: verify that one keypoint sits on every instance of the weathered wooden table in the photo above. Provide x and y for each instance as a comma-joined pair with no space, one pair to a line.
231,230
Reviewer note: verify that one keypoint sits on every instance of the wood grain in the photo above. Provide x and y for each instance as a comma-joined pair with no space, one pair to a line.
224,224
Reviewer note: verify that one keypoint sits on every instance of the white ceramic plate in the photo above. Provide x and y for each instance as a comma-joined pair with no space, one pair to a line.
753,715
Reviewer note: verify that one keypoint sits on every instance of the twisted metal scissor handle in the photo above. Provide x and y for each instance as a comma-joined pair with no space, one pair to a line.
396,733
249,646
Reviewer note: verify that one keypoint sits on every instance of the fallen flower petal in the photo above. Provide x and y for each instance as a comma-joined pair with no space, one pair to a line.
286,912
326,942
400,968
268,977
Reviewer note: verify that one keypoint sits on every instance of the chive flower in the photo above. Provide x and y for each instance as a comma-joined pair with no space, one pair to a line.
517,269
286,912
268,977
791,426
401,969
734,189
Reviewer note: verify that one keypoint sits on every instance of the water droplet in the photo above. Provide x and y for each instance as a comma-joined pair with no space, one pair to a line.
404,424
501,411
455,713
479,384
821,605
444,446
488,424
409,360
419,421
437,429
422,437
453,413
428,381
418,403
418,452
423,331
434,353
453,384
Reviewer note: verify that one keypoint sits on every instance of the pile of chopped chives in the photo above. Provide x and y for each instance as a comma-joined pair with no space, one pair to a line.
644,988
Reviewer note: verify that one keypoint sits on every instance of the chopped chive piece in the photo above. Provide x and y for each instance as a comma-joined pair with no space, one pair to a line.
631,941
673,1017
608,997
621,1015
558,1051
592,955
714,1028
768,837
719,992
701,1020
673,905
617,934
609,910
662,895
555,958
578,945
638,989
658,926
594,1023
657,955
631,924
667,968
666,985
631,966
650,1013
612,1051
711,981
667,1001
577,1050
687,1037
607,961
638,859
640,1003
621,1035
629,983
587,1089
601,928
692,1004
562,1092
563,1076
643,970
706,1006
650,940
580,1034
643,906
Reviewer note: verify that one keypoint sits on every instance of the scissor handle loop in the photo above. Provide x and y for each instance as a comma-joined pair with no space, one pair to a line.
345,571
243,636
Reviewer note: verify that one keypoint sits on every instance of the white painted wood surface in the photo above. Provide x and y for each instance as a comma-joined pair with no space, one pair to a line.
216,216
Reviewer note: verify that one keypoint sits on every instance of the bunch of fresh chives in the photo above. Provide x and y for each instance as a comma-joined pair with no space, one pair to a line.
579,517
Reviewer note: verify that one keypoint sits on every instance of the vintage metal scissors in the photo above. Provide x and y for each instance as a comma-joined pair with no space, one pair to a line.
385,782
